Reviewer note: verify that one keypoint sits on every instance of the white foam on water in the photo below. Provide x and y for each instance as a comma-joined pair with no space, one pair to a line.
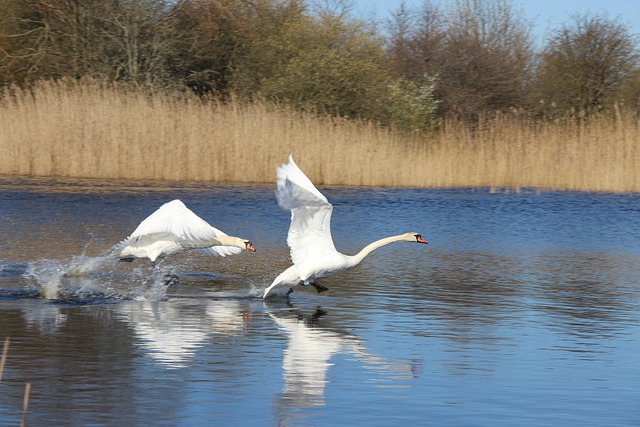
98,277
47,274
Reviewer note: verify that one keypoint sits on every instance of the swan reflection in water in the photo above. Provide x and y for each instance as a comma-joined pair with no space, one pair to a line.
172,332
310,348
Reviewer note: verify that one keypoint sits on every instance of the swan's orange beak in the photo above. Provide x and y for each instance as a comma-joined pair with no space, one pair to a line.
419,239
249,246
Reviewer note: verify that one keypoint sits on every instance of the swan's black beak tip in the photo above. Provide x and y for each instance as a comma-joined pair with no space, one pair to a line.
420,239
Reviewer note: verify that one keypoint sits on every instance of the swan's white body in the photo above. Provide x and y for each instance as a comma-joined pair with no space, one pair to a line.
174,228
313,253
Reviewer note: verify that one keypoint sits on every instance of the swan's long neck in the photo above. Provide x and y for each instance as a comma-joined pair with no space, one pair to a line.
225,240
360,256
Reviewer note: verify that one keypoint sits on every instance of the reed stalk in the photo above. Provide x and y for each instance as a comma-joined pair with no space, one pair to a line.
88,129
27,390
25,404
5,351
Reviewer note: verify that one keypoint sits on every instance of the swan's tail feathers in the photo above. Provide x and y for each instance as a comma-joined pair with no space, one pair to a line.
268,290
285,280
318,286
279,292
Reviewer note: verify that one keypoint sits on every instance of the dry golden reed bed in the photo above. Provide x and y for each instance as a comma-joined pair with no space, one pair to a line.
85,129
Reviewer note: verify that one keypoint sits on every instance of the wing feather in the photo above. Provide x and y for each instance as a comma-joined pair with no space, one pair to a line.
295,190
174,222
175,218
310,230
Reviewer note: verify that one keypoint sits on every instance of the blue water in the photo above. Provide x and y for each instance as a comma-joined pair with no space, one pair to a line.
524,310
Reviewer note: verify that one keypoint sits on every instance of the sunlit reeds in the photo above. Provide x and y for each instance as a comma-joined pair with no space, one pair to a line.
3,358
25,404
87,129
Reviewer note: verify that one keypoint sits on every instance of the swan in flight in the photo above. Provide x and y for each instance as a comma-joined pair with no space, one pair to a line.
175,228
312,251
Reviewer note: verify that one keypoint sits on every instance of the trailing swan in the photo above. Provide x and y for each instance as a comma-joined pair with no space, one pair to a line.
174,228
313,253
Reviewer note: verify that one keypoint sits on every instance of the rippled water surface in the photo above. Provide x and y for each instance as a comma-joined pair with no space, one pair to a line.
524,310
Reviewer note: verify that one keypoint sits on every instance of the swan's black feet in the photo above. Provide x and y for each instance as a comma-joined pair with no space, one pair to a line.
128,259
318,314
171,279
318,286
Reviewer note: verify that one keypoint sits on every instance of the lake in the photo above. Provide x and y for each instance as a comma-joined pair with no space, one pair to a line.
524,309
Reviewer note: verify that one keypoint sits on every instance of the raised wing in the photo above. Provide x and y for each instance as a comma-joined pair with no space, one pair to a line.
175,218
295,190
174,222
310,230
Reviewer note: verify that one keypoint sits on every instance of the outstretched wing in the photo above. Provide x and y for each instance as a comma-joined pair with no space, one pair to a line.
175,218
175,222
310,230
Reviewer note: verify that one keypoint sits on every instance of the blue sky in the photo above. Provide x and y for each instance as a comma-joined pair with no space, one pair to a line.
546,15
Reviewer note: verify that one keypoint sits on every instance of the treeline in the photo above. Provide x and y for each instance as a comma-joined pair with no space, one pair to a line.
468,59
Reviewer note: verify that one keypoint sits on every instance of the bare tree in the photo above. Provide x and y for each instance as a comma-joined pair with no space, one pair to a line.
479,51
141,32
218,36
414,42
119,40
585,63
27,49
486,57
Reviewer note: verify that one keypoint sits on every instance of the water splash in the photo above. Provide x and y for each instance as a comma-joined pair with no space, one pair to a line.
152,284
85,279
46,274
83,265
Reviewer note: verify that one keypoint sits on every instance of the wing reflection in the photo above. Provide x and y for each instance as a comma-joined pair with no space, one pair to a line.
46,319
172,331
307,357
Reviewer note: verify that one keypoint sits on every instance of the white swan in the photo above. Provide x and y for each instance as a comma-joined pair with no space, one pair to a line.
312,251
175,228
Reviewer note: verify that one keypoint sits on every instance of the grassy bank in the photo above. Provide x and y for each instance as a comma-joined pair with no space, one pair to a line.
90,130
